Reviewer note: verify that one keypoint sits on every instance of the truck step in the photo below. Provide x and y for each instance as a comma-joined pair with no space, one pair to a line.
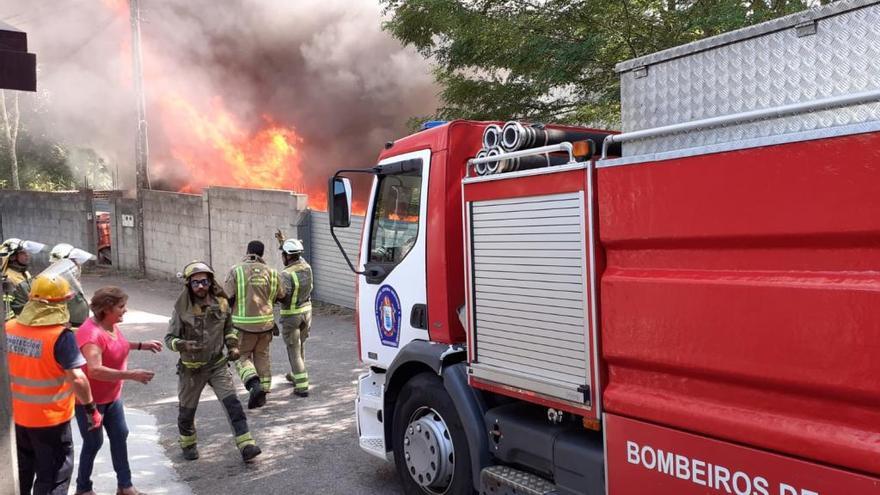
504,480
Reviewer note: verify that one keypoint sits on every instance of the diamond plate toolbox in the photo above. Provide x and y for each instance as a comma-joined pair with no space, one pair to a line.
822,52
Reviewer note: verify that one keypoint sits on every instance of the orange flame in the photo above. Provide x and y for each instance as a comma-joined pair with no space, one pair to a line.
217,150
213,145
403,218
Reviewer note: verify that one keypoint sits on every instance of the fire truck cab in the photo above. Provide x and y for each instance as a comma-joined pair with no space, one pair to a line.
691,306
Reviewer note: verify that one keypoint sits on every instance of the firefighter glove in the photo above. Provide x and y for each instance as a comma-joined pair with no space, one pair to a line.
189,346
232,354
275,331
93,416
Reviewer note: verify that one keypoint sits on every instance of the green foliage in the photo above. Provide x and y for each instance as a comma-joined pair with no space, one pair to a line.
41,165
553,60
45,165
40,180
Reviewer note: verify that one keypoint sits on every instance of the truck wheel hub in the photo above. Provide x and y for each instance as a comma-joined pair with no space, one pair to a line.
428,450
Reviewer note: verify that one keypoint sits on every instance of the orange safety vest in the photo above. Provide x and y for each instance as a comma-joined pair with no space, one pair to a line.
40,395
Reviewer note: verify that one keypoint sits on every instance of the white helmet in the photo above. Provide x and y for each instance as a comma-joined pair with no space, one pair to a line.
66,251
14,245
60,251
292,246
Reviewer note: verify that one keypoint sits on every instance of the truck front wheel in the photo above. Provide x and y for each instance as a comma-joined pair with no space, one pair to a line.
430,448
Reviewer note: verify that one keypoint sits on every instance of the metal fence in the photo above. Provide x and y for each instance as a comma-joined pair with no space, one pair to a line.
334,280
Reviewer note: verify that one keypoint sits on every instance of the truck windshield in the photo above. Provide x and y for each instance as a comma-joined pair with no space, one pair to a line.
396,216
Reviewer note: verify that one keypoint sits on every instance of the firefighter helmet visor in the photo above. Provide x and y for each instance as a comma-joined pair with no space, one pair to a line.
13,245
56,283
66,251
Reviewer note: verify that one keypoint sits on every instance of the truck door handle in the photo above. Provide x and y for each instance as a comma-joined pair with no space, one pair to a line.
418,318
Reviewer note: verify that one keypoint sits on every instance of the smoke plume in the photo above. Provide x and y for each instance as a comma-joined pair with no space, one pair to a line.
322,68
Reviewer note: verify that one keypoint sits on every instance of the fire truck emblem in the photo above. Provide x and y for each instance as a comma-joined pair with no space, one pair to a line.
388,316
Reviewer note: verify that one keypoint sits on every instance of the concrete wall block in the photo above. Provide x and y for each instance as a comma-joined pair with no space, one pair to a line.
49,218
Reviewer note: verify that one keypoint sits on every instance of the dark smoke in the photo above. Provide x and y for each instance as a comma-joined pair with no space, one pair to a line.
321,66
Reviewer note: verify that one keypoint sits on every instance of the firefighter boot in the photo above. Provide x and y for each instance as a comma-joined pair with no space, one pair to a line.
190,452
248,452
257,394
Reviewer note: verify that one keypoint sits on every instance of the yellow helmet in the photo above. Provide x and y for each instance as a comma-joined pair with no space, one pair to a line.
50,288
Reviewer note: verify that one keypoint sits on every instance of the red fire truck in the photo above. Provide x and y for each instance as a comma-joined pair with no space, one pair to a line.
691,306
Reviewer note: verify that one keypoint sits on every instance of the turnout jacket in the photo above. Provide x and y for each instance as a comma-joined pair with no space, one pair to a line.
210,325
297,282
20,279
253,290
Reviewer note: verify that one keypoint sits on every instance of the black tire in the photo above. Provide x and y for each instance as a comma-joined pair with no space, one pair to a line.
424,395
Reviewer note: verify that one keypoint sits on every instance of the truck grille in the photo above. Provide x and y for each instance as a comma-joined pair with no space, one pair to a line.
529,294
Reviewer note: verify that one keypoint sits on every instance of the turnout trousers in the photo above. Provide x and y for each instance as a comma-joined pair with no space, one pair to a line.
191,382
255,360
295,331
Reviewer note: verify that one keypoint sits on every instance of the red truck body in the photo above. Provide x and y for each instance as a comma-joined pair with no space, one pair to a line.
698,316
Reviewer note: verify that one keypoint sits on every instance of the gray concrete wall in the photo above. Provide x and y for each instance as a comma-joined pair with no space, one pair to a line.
175,232
178,228
124,236
237,216
50,218
334,280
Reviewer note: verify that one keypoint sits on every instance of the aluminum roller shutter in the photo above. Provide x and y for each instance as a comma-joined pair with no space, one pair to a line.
529,288
334,280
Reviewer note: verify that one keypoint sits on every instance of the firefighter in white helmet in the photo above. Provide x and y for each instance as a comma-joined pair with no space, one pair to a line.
296,312
15,257
200,328
79,305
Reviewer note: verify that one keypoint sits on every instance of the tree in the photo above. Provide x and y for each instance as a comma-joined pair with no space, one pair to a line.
10,128
553,60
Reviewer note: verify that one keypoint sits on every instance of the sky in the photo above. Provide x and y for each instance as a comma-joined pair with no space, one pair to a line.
221,78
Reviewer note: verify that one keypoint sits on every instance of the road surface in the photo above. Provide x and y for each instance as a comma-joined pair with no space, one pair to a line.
309,445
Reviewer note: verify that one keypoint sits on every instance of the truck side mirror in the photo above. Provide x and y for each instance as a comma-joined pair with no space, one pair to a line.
339,202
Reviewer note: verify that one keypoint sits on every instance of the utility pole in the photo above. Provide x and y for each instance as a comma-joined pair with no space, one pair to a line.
141,148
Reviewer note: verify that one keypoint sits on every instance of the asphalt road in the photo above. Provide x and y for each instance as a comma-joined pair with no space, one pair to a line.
309,444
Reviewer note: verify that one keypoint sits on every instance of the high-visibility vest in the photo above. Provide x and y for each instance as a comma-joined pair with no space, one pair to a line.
256,289
301,299
40,395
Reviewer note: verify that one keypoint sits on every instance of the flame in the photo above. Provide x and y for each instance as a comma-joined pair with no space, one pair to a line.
217,150
403,218
212,144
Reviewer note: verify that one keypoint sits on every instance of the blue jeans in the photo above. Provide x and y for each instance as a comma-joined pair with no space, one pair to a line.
117,432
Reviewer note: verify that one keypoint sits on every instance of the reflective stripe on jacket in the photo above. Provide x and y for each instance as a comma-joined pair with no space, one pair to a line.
40,395
300,297
255,288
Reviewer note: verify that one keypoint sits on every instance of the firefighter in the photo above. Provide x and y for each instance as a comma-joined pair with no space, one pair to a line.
200,327
79,305
253,290
45,376
296,312
16,256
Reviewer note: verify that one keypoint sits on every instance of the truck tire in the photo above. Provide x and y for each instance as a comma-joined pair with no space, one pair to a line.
430,447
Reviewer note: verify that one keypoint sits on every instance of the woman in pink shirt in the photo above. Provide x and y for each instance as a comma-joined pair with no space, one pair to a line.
106,352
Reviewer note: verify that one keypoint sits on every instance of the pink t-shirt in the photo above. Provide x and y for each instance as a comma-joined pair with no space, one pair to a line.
114,354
